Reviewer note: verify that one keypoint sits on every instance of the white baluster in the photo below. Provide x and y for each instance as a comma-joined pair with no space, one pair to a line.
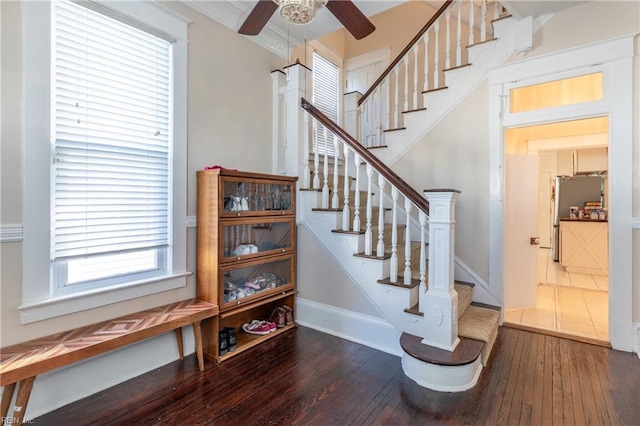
370,114
436,56
316,157
356,197
380,114
306,172
483,20
387,104
393,266
407,242
335,203
415,76
406,83
459,35
422,217
325,171
426,61
496,10
345,208
368,233
471,23
380,247
447,40
396,111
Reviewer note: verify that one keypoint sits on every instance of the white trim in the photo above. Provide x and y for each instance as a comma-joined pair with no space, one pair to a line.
10,233
36,277
636,345
614,58
368,330
75,302
636,223
227,12
442,378
191,221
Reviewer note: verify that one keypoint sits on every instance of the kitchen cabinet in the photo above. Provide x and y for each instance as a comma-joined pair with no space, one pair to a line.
591,160
584,246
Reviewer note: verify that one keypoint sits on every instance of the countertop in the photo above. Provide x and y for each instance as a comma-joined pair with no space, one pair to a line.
567,219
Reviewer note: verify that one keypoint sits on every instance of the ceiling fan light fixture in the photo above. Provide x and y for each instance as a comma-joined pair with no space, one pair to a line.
299,12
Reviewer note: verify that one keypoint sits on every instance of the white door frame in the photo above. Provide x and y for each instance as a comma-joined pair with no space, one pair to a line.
614,58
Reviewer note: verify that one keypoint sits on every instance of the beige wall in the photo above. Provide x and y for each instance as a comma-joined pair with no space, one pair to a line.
456,155
229,123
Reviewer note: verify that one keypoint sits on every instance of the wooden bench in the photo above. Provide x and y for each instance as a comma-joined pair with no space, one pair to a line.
21,363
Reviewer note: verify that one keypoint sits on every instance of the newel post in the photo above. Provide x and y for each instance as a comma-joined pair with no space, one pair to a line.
440,302
296,133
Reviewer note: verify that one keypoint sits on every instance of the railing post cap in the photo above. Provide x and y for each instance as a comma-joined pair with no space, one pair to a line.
455,191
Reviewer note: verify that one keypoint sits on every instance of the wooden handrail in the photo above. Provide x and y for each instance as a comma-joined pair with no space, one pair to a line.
395,180
407,48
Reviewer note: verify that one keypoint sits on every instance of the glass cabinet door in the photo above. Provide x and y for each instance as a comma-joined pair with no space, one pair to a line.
244,282
247,238
247,197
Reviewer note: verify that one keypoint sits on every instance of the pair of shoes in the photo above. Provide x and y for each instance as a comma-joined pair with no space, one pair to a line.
226,340
259,327
288,314
278,316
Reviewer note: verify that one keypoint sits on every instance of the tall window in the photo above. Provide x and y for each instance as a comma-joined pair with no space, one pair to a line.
326,97
111,135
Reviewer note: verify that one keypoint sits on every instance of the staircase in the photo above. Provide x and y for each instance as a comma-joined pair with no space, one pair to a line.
397,244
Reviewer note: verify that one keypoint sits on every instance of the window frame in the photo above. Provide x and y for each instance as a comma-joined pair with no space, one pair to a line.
39,298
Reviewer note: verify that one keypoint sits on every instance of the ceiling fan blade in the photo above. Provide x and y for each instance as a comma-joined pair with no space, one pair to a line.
258,17
351,17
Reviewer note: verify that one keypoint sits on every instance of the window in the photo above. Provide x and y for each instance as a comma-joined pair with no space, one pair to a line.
105,154
110,124
326,97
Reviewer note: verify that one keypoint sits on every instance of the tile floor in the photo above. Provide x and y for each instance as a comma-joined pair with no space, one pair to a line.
572,303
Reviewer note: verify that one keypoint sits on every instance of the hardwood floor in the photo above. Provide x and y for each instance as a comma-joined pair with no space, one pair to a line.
307,377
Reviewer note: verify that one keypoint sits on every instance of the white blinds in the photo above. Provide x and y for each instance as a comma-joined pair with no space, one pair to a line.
326,97
111,135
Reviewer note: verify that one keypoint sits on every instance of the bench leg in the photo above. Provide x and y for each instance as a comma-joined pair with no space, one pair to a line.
20,407
7,395
197,334
178,332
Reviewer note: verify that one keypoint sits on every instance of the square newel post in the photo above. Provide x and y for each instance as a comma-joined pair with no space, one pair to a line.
278,142
351,113
296,150
440,302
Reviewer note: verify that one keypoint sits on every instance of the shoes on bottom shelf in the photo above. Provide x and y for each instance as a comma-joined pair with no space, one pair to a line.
280,317
226,340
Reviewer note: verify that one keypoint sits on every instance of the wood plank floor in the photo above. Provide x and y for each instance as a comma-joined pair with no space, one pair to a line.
305,377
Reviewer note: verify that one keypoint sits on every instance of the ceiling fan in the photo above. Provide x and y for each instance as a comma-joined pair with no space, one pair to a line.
302,12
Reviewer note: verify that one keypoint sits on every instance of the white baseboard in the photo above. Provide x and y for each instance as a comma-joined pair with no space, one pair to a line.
367,330
636,343
65,385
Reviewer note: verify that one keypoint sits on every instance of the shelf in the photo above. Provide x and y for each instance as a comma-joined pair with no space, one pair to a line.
246,341
255,303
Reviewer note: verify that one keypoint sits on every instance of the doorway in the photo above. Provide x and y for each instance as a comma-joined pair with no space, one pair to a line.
614,58
569,299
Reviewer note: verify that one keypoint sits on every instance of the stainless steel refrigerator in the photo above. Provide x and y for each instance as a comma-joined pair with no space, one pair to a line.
573,191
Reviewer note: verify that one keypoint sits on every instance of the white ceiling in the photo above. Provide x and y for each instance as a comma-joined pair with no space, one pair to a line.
279,37
277,32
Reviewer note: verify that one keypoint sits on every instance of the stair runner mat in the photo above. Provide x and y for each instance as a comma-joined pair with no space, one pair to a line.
480,324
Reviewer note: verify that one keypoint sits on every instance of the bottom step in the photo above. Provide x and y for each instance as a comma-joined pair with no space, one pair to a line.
458,370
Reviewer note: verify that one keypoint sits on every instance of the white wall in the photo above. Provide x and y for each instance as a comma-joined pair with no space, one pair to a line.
229,123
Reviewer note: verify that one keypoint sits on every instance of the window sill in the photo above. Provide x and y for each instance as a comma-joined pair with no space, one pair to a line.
68,304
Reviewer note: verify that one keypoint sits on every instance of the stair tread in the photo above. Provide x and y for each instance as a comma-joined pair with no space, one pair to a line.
481,324
400,282
373,256
467,351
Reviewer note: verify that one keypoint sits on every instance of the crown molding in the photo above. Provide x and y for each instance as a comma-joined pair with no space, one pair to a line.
232,14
